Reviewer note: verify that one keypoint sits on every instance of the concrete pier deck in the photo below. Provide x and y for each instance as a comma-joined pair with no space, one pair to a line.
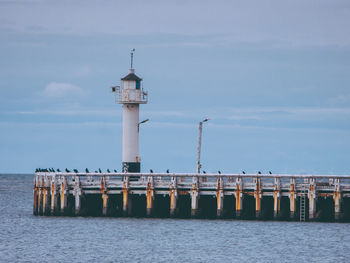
241,196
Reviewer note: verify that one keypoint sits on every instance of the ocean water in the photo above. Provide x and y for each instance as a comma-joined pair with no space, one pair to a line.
28,238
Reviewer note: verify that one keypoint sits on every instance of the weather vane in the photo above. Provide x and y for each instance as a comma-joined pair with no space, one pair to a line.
132,56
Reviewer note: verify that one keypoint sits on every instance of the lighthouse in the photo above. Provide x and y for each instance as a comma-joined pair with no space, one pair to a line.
130,94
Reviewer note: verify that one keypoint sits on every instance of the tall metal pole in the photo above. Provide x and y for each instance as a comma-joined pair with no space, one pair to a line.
200,145
199,148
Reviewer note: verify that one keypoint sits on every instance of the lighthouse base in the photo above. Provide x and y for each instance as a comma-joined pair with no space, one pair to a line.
131,167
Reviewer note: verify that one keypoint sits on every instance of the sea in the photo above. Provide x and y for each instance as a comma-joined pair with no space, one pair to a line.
28,238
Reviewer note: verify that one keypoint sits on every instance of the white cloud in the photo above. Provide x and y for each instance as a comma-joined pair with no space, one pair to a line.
59,90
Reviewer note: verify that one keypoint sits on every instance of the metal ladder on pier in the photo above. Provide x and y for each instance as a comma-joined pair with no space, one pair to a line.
302,205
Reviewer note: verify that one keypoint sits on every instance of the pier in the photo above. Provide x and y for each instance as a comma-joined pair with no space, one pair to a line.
228,196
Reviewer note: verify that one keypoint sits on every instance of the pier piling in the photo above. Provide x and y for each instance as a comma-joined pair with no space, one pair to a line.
239,197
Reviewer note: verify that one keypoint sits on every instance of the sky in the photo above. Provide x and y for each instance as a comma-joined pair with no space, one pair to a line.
272,76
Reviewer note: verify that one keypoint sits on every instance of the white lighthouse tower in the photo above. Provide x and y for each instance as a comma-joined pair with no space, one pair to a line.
131,95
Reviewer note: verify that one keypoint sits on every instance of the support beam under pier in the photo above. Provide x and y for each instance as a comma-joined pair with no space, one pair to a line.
276,199
126,202
257,195
337,201
220,198
239,197
150,196
312,200
173,196
194,197
64,196
292,199
35,199
54,199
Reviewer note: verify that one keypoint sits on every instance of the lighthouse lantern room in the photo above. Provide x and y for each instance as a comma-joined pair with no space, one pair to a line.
131,95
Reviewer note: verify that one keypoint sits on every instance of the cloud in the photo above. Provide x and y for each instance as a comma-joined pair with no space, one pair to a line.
295,22
340,100
60,90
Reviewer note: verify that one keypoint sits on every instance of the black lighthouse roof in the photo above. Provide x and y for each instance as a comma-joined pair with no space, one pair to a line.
132,76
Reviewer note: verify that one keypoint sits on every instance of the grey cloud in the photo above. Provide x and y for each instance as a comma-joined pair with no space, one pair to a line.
286,22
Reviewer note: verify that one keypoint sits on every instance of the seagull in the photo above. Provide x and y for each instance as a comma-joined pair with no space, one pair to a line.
53,170
67,171
151,171
36,170
243,172
219,172
270,172
204,172
108,171
115,170
76,171
96,172
87,170
58,170
167,171
259,172
99,170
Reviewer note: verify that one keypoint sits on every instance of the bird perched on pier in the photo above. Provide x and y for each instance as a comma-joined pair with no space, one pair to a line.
76,171
58,170
50,170
151,171
115,170
270,172
53,170
99,169
204,172
87,170
67,171
259,172
219,172
243,172
108,171
167,171
36,170
96,172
